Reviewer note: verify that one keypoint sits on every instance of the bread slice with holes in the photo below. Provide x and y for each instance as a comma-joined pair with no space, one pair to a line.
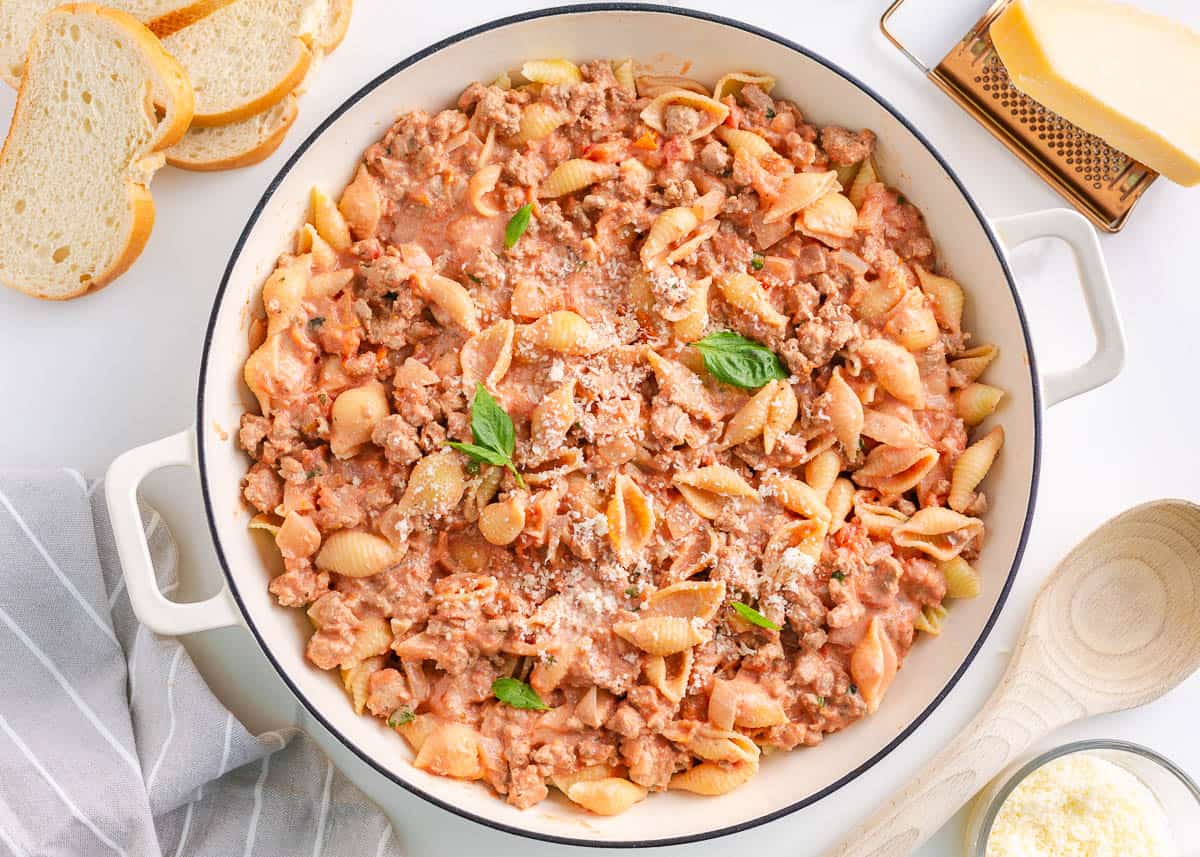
249,141
238,144
18,18
247,56
99,102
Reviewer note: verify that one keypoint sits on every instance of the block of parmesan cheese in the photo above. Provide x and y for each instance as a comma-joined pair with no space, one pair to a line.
1125,75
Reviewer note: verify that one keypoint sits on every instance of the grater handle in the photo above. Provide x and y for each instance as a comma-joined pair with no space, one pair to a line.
1073,228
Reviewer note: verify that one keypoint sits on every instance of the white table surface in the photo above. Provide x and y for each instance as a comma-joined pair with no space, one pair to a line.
86,380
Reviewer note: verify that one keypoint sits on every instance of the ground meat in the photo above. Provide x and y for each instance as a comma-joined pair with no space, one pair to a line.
492,109
651,760
668,423
846,147
334,638
923,581
262,488
525,168
387,691
679,120
398,440
299,586
821,337
811,259
252,432
714,157
757,99
625,721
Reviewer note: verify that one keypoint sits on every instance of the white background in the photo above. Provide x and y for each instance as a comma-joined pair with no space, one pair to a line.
86,380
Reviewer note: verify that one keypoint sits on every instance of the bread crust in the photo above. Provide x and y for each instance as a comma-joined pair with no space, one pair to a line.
341,23
268,99
176,20
265,148
177,115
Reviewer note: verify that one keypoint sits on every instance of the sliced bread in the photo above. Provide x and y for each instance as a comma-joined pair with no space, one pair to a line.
238,144
249,141
18,18
99,100
247,56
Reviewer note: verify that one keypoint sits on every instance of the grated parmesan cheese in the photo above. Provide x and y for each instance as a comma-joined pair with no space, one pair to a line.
1081,806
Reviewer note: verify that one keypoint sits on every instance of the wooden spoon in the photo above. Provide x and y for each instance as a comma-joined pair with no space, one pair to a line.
1116,626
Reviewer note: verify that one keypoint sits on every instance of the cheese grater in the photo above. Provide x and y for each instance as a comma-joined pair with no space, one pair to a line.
1102,182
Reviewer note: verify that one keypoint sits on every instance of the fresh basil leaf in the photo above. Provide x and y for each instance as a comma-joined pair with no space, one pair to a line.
490,424
518,694
517,225
753,616
479,453
401,716
740,362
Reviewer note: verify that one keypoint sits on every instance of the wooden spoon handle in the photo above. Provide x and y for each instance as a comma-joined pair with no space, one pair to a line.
1028,703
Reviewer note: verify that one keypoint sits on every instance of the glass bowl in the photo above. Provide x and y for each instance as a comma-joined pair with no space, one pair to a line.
1175,790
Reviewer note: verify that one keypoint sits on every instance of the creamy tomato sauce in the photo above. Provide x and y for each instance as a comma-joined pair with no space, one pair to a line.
647,488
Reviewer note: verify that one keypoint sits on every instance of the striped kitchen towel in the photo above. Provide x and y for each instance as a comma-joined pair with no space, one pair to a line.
110,742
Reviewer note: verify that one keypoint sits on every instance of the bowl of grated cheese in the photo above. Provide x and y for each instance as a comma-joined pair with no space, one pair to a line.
1087,799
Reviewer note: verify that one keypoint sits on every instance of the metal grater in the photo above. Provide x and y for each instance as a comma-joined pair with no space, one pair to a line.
1102,182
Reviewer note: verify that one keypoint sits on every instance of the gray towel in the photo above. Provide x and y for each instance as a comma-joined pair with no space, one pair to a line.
110,742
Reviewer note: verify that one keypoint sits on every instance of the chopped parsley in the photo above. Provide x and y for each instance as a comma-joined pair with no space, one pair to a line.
854,689
838,576
390,296
757,261
770,113
633,592
820,702
316,321
401,716
474,279
311,473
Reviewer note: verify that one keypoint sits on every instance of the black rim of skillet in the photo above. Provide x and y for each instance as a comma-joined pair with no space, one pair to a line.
592,8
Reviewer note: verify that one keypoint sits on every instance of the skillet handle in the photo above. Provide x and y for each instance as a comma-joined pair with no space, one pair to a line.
156,611
1073,228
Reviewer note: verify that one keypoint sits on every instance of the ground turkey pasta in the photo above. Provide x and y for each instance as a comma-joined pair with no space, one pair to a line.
615,429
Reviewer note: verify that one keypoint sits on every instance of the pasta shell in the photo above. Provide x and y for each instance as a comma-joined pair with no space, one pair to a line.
689,599
623,72
896,370
328,221
707,488
480,185
822,471
693,324
712,113
501,523
877,298
452,750
451,299
839,501
668,228
845,411
732,83
873,664
669,675
796,496
740,140
930,619
562,782
269,523
751,418
747,294
782,411
880,521
893,470
912,324
660,635
487,356
538,121
832,214
630,519
938,532
609,796
793,550
553,418
799,191
891,429
722,704
947,298
757,709
562,331
654,85
976,402
711,778
353,553
866,176
972,466
553,71
969,365
353,418
355,681
722,745
574,175
417,730
962,581
435,486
